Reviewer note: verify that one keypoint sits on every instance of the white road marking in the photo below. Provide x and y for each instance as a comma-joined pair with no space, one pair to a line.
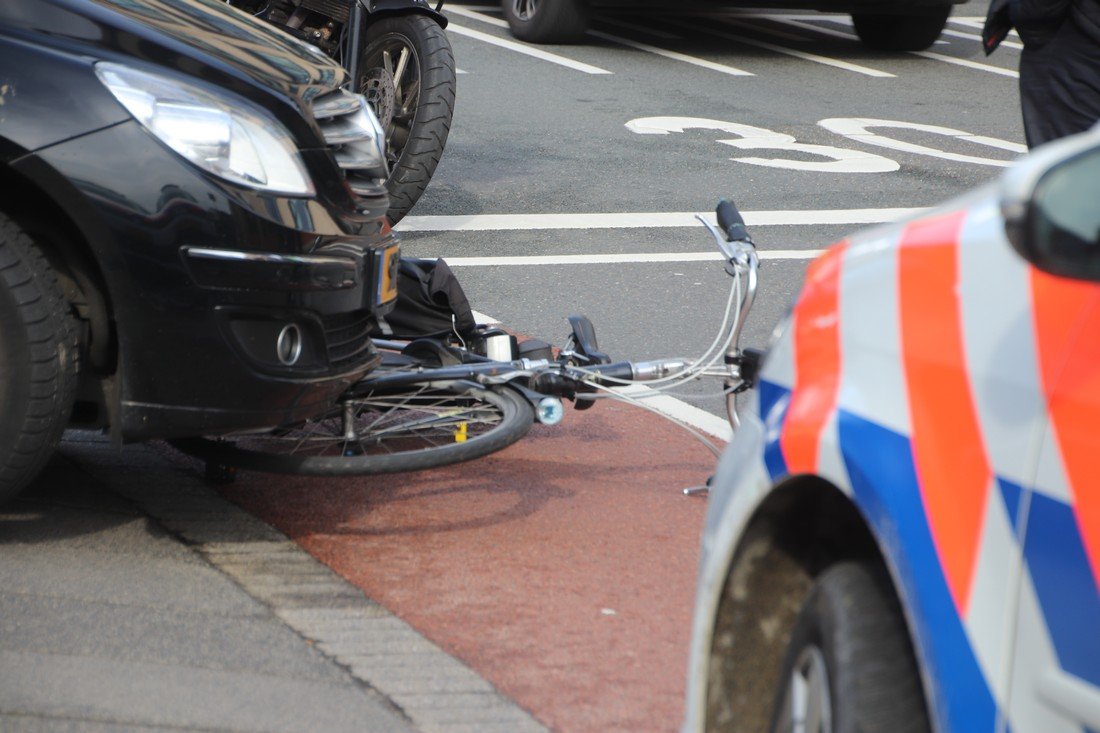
812,57
474,14
841,160
978,38
480,317
703,63
801,21
798,22
858,129
645,220
968,64
632,258
526,50
976,22
697,418
466,12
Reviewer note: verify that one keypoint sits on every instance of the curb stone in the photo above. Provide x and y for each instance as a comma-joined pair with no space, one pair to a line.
435,691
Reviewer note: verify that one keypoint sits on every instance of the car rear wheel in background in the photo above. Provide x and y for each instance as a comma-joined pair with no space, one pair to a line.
547,21
38,359
896,32
849,666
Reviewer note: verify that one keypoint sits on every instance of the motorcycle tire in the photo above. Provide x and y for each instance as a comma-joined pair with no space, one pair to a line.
39,359
408,76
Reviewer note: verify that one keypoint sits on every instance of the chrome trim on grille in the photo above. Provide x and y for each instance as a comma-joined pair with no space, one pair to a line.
239,256
335,105
352,133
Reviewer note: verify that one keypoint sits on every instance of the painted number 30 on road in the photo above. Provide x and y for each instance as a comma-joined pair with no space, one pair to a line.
838,160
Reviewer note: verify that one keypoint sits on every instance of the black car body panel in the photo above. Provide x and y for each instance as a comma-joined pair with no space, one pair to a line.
184,279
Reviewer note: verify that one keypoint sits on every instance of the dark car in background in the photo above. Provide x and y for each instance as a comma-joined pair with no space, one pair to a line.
181,250
888,25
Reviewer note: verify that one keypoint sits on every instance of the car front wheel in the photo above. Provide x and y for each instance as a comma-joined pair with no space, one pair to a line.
889,32
38,359
849,666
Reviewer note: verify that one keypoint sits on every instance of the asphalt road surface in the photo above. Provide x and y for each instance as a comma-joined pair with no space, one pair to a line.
573,136
551,584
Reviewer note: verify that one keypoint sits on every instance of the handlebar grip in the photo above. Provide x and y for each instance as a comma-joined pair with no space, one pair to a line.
731,222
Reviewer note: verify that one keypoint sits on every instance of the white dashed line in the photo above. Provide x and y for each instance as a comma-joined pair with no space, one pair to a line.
468,13
643,220
665,53
526,50
812,57
635,258
976,37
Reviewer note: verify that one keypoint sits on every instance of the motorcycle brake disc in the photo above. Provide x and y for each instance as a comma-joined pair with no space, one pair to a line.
378,88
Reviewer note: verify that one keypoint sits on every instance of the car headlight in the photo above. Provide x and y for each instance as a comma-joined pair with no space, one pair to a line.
220,134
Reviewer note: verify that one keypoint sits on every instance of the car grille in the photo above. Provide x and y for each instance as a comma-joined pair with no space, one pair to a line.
355,138
347,337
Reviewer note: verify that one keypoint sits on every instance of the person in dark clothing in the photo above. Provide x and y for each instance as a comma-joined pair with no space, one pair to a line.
1060,65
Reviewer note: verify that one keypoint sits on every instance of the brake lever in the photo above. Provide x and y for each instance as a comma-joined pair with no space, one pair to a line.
735,251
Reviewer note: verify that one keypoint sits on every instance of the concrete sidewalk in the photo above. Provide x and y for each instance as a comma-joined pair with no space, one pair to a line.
132,596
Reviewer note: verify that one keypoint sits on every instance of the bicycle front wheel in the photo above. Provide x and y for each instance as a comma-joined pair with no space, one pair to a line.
419,427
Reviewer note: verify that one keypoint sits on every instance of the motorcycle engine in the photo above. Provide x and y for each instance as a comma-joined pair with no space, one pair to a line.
336,10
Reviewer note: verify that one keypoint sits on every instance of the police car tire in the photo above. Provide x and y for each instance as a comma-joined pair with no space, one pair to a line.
852,617
551,21
38,359
895,32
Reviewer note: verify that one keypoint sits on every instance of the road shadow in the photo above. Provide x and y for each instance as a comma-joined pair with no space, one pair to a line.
64,502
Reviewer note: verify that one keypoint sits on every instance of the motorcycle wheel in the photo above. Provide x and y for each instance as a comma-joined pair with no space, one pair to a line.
408,76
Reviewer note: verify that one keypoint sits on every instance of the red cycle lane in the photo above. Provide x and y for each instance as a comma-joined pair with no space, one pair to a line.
561,569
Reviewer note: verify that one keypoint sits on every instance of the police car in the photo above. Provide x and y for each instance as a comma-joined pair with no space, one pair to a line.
904,534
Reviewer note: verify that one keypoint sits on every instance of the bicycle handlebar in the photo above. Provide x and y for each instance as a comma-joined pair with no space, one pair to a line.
731,222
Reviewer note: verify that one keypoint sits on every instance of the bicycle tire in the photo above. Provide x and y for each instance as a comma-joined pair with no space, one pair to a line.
410,430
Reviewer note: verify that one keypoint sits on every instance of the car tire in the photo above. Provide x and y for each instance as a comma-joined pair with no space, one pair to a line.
39,359
849,663
547,21
888,32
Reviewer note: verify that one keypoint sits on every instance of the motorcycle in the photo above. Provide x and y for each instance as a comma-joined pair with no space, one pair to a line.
399,58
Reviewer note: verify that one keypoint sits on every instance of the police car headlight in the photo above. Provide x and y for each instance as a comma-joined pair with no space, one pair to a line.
223,135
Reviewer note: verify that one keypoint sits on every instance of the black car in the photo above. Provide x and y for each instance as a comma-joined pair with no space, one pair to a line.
888,25
192,233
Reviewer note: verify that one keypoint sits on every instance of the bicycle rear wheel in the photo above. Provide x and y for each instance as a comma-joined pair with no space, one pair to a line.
419,427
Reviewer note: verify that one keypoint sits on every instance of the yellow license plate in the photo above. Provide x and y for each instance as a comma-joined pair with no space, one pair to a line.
387,260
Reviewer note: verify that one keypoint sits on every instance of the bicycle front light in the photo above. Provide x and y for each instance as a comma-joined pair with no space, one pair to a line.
223,135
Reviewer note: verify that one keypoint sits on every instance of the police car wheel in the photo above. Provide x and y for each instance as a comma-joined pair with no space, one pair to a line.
38,359
850,666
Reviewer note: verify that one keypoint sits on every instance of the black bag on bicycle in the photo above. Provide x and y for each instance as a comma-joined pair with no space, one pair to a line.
430,303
